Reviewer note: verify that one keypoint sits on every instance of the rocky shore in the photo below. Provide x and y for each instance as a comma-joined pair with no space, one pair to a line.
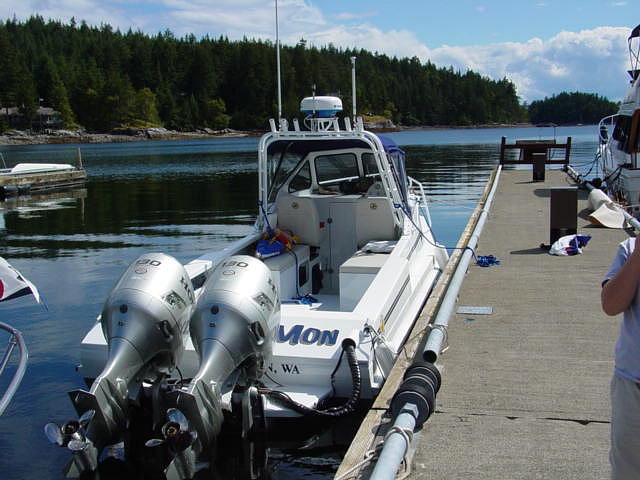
19,137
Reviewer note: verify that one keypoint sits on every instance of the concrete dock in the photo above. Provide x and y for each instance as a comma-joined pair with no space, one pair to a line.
524,389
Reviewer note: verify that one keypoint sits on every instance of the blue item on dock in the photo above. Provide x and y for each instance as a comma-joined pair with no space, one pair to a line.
487,261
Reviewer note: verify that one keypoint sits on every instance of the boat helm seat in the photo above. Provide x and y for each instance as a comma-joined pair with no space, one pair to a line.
374,220
299,215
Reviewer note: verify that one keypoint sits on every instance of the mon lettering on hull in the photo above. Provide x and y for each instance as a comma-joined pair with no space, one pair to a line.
307,336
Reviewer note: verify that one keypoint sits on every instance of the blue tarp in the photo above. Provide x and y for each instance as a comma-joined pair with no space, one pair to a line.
397,156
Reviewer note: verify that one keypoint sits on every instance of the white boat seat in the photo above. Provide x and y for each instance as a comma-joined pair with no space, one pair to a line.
356,275
299,215
364,262
374,220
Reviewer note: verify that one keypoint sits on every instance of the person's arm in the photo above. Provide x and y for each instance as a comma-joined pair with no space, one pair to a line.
618,293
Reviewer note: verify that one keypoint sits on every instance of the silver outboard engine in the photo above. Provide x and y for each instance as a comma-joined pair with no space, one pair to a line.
232,330
144,321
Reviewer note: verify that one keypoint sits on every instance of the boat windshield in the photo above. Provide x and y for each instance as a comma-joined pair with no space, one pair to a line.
284,156
337,166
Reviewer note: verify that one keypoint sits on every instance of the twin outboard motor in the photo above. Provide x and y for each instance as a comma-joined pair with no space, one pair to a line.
145,321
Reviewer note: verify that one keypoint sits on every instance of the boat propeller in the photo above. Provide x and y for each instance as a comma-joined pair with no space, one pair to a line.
175,432
73,435
73,430
178,439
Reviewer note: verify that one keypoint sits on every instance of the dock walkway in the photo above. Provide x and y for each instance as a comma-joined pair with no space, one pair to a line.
524,389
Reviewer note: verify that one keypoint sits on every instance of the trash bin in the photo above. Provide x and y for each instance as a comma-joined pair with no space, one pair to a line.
564,212
539,161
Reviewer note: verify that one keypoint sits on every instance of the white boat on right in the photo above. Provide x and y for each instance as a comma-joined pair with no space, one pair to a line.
619,137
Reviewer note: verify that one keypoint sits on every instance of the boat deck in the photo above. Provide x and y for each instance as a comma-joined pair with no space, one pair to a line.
524,389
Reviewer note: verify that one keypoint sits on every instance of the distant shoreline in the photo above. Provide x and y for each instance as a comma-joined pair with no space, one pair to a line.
58,137
72,137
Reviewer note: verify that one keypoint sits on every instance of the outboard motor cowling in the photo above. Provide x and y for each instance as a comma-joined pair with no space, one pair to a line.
240,310
149,308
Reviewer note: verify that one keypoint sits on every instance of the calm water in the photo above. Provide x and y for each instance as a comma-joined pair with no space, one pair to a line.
183,198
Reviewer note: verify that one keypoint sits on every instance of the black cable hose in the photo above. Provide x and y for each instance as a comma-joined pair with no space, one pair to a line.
349,348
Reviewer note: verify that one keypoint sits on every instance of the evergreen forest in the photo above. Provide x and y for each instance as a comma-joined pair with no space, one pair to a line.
102,79
571,108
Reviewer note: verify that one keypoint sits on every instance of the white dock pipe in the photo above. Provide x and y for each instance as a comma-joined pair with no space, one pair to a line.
433,346
396,444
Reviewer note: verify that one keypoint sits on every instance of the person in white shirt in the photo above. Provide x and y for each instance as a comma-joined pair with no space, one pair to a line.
621,294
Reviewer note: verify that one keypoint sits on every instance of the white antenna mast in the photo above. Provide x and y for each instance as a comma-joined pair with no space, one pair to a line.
278,65
353,85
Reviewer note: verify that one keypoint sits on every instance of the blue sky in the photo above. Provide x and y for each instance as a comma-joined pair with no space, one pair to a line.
543,46
470,22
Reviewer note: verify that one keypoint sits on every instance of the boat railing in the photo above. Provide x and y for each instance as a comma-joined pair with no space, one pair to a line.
15,339
603,128
418,189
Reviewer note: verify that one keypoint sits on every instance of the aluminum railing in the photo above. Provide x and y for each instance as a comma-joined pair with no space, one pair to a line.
15,339
418,188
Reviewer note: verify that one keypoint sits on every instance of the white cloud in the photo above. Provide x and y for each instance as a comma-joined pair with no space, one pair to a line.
590,61
237,18
95,13
355,16
398,43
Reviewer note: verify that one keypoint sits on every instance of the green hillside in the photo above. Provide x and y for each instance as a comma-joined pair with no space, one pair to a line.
102,79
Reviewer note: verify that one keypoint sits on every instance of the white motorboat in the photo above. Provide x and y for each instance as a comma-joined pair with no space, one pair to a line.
22,168
28,178
619,137
304,316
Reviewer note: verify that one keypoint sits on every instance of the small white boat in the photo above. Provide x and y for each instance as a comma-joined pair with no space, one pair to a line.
28,178
22,168
304,316
619,137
